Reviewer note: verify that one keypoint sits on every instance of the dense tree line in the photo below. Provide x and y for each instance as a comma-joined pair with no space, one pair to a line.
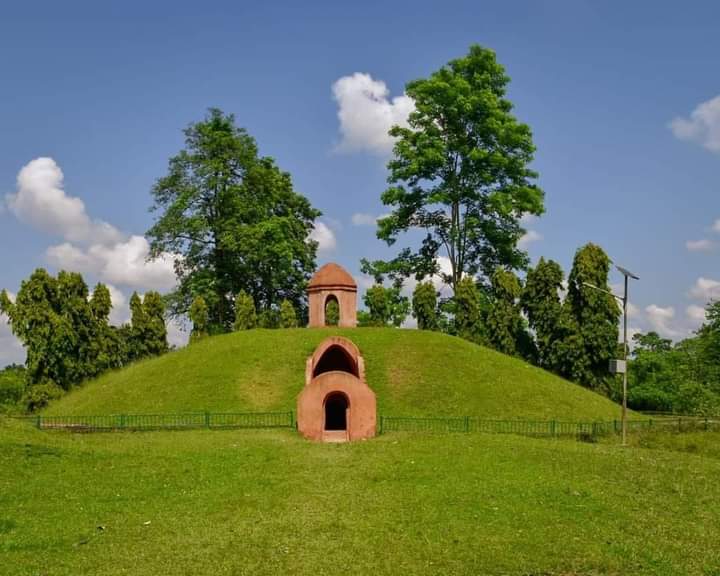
682,377
67,336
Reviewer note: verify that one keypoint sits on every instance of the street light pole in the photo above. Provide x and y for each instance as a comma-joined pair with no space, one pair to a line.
624,299
625,357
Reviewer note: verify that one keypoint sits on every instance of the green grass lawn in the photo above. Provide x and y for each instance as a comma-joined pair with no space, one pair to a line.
268,502
413,373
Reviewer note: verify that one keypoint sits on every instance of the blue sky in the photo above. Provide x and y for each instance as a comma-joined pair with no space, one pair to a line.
623,99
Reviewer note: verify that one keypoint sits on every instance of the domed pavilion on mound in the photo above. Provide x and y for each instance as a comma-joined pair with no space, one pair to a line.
332,283
336,404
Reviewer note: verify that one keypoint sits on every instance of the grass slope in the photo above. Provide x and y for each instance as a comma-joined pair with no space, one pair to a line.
266,502
412,372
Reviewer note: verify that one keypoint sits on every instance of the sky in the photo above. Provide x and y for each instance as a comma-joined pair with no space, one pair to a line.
621,98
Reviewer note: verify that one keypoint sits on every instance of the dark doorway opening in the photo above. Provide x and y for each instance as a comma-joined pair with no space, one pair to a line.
335,358
336,405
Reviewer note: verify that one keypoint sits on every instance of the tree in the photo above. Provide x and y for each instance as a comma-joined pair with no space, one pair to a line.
595,316
468,311
148,332
424,306
542,304
505,327
288,318
137,347
332,313
460,174
386,306
245,317
107,346
199,319
234,222
65,332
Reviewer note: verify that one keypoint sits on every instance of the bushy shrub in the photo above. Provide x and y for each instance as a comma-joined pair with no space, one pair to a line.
38,396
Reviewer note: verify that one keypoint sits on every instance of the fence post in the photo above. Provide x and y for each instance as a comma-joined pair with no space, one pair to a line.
679,423
552,428
292,419
38,423
382,423
467,423
207,419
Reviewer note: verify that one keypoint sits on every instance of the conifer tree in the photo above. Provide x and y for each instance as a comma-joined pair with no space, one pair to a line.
505,327
424,306
199,319
542,304
288,317
468,311
594,315
245,315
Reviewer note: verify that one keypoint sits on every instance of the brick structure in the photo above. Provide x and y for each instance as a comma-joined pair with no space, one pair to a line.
332,282
336,404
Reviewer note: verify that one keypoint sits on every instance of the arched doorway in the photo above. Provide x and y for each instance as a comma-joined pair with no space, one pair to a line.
336,358
332,311
336,412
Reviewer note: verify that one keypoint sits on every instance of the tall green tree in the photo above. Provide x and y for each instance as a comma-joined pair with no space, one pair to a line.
386,306
288,317
425,306
460,174
156,329
148,331
595,316
199,318
468,309
505,327
65,332
235,222
543,307
245,315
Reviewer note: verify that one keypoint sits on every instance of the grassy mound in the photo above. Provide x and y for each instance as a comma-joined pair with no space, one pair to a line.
267,502
412,372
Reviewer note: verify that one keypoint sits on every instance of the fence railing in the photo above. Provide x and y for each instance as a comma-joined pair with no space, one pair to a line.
184,421
386,424
552,428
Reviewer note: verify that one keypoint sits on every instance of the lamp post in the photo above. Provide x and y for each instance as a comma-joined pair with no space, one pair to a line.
615,365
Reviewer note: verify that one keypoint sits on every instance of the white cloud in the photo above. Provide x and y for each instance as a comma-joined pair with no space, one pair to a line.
528,238
699,245
123,263
364,219
91,247
41,201
716,226
696,314
705,289
366,113
325,237
702,127
633,311
660,318
11,350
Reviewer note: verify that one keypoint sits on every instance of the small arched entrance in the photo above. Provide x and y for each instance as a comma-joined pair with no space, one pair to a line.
332,311
337,408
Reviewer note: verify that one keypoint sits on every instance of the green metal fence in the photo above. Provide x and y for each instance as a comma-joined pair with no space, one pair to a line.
185,421
547,428
386,424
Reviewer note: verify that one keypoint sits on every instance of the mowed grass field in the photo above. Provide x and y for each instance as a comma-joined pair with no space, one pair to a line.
267,502
413,373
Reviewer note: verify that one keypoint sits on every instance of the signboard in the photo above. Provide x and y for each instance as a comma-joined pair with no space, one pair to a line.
617,367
